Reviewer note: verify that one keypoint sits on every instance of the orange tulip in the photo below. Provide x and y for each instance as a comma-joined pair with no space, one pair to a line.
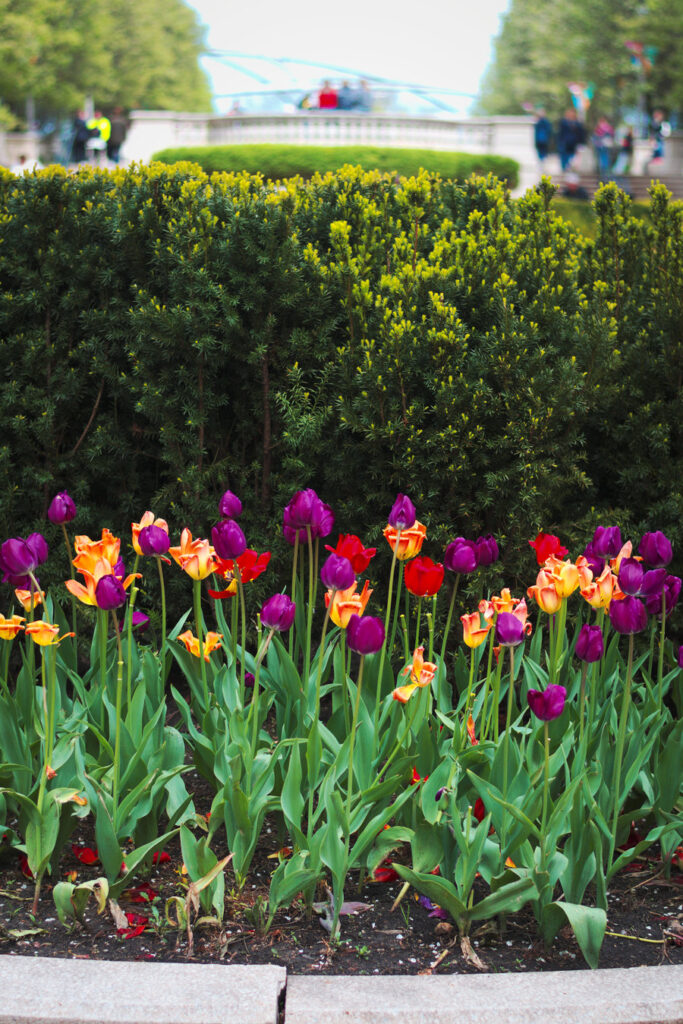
473,634
600,591
565,575
585,571
10,627
346,603
626,552
409,543
147,520
44,633
421,674
506,603
24,598
471,733
90,551
211,642
196,557
544,592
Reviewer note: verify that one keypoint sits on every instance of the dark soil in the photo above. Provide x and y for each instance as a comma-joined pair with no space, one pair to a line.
645,915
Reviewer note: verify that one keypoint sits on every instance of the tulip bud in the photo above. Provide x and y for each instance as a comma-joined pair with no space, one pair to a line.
607,541
656,549
278,612
549,703
365,634
402,515
337,573
322,519
628,616
486,550
631,574
62,509
589,644
109,593
230,506
300,508
228,539
153,540
460,556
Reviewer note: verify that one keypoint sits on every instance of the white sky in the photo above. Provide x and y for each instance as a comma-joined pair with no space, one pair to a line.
440,43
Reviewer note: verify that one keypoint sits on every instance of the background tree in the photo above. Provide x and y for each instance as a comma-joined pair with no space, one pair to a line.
131,53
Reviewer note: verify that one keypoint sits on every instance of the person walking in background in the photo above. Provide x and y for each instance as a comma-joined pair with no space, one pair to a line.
659,130
81,134
99,129
345,97
117,136
570,135
603,138
622,164
543,133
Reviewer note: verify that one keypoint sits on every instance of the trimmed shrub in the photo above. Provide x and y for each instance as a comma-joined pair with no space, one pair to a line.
277,162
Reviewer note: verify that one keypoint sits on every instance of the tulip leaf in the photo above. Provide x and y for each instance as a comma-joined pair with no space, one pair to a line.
587,923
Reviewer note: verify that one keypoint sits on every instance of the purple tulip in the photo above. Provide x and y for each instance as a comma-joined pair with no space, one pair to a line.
486,549
365,634
402,515
595,563
228,539
153,540
120,570
229,507
301,507
607,541
589,645
20,557
656,549
628,616
38,546
549,703
140,620
322,519
509,630
278,612
337,573
290,531
109,593
62,509
672,590
680,656
249,680
631,574
460,556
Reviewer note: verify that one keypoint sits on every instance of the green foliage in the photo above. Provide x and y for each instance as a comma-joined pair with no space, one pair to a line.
279,161
167,335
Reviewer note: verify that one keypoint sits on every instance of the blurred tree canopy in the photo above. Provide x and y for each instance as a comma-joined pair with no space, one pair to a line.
542,47
128,53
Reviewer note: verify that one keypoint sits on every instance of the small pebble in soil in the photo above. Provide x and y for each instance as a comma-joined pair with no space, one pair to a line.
399,937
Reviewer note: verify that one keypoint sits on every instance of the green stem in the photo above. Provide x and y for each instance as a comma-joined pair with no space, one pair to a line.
399,743
546,789
200,637
243,615
102,623
582,701
129,633
345,692
316,711
163,622
309,616
294,561
483,715
431,619
417,624
254,709
621,739
5,665
651,655
386,643
470,685
660,661
496,698
74,620
352,741
508,723
117,734
234,609
449,618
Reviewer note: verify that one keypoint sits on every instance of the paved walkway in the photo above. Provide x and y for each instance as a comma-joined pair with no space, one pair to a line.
35,990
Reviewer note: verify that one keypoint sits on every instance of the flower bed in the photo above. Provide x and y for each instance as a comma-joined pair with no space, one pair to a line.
503,782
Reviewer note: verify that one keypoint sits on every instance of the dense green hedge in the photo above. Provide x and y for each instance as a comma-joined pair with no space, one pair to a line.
165,336
276,162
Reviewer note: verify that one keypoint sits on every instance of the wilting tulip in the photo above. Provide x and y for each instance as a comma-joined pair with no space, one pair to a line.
228,539
549,703
628,616
153,540
589,643
656,549
28,599
509,630
672,589
345,603
421,674
547,544
62,509
230,506
10,627
486,550
365,635
109,593
337,573
423,577
473,633
460,556
402,515
606,541
409,543
211,642
351,547
278,612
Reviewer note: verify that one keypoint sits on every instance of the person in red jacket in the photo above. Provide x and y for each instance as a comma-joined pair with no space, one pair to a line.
327,97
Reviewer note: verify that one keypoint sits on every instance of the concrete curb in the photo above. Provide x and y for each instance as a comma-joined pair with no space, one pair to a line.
40,990
44,990
636,995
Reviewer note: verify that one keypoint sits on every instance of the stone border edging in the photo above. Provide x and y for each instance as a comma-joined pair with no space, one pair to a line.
46,990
